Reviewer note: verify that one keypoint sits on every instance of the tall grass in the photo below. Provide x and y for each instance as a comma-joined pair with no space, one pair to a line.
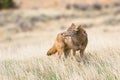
101,60
96,65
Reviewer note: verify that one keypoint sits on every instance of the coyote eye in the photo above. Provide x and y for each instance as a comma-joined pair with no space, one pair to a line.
77,27
84,32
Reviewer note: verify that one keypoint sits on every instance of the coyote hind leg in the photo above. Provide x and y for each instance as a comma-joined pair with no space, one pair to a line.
60,52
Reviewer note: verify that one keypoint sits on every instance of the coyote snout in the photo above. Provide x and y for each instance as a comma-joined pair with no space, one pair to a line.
74,38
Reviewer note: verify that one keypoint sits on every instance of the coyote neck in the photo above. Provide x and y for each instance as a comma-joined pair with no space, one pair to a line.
78,39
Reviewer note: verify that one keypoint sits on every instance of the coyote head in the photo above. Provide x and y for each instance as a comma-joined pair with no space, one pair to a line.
73,30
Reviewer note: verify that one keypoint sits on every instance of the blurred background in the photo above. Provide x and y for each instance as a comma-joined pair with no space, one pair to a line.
39,21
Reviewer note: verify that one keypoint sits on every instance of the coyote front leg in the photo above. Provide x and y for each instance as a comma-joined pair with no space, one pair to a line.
66,53
73,54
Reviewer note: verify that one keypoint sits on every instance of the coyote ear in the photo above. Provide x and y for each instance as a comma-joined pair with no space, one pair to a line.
71,27
79,26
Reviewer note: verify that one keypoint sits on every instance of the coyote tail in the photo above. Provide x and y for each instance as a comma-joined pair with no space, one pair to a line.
52,51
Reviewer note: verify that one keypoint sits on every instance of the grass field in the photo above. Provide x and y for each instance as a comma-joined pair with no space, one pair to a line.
20,61
23,54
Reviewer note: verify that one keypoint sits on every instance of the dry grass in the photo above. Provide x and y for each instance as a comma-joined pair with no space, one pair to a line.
23,54
19,61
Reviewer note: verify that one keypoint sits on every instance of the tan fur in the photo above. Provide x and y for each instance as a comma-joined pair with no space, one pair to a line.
75,38
60,45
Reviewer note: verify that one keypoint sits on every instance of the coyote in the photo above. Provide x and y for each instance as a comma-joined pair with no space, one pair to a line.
74,39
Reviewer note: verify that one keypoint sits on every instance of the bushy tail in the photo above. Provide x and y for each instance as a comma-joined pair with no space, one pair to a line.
51,51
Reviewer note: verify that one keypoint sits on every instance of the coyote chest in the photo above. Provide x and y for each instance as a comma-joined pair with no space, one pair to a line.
72,43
